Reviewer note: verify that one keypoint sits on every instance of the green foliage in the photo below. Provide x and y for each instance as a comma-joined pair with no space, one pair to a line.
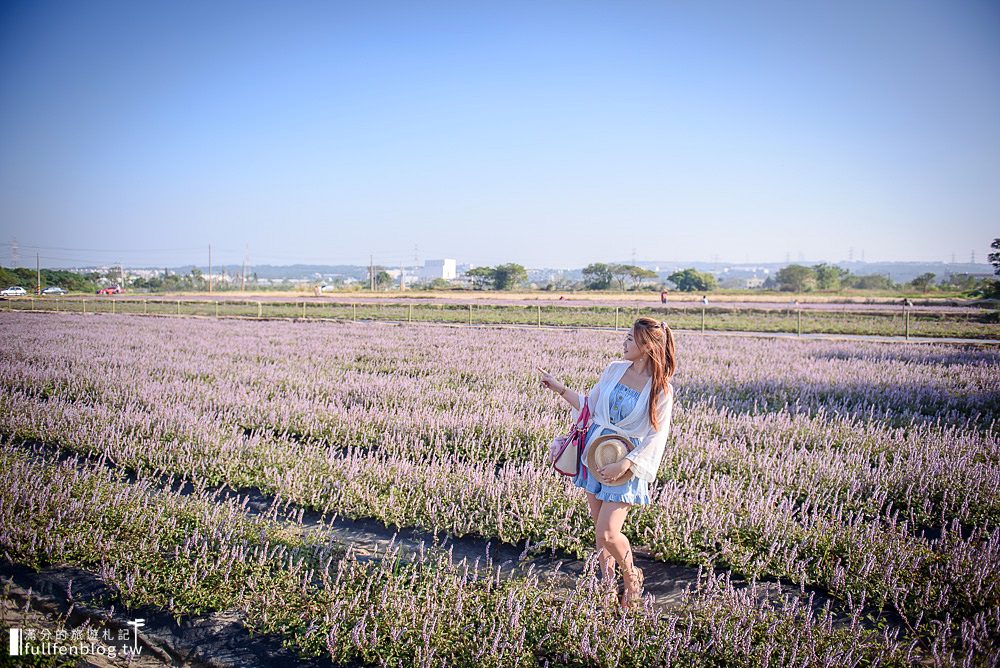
923,282
500,277
382,279
829,277
597,276
623,272
692,280
507,276
994,258
870,282
638,275
796,278
483,278
69,280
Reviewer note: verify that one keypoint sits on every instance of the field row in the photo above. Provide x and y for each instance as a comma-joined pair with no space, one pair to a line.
194,554
866,470
889,322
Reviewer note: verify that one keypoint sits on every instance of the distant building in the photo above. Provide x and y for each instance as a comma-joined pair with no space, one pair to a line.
755,282
446,269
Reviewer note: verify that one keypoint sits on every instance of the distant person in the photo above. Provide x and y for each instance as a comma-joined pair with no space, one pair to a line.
663,296
632,399
704,300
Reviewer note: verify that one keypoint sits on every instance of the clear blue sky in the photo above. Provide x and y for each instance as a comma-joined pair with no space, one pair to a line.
545,133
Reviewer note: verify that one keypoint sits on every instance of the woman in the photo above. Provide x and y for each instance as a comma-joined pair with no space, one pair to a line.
632,398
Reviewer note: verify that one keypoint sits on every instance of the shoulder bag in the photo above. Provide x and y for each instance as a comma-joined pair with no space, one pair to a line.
565,451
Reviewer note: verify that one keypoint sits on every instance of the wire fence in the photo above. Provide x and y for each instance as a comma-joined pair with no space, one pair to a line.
902,322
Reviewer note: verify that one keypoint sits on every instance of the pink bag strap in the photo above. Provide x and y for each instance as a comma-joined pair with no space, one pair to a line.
584,414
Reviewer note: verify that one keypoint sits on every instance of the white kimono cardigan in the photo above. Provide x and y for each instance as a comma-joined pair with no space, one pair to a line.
646,456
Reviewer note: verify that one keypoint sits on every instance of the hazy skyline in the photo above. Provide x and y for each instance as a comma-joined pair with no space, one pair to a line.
551,134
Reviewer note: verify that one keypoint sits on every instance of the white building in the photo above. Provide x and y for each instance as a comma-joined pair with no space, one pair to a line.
446,269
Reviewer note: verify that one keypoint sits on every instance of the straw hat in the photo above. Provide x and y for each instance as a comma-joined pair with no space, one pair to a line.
606,450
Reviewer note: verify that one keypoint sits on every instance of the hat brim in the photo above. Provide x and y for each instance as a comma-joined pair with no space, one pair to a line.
603,442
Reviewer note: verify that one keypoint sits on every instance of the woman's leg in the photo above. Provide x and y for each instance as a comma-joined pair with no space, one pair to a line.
616,546
595,505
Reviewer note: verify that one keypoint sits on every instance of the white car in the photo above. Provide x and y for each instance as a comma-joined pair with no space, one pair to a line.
53,290
14,291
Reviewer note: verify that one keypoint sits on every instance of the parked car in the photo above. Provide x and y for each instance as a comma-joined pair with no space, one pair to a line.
53,290
14,291
110,291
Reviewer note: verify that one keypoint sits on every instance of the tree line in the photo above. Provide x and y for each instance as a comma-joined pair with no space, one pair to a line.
596,276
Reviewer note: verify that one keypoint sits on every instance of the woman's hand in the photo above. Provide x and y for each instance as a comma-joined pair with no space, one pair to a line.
616,470
549,381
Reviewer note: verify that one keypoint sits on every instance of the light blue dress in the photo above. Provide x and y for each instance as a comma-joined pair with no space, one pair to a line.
636,490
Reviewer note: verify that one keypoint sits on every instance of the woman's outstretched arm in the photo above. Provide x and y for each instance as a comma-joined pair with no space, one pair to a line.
570,396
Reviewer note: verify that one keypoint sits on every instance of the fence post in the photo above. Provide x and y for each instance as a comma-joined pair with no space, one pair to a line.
216,308
303,309
145,310
539,315
798,314
470,314
907,324
703,318
84,305
616,318
259,310
409,313
354,312
112,306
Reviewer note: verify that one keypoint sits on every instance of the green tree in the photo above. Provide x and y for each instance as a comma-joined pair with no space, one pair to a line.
994,257
621,273
796,278
871,282
597,276
829,277
508,276
483,278
692,280
197,279
923,282
638,275
382,279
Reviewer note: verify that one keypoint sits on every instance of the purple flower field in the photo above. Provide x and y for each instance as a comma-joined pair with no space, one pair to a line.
866,471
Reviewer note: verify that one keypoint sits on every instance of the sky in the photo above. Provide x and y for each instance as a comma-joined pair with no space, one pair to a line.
553,134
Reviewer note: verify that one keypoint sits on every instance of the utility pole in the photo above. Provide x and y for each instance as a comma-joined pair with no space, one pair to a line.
210,268
371,272
38,275
121,275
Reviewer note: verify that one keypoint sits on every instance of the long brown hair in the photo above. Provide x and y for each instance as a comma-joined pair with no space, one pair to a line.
656,340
